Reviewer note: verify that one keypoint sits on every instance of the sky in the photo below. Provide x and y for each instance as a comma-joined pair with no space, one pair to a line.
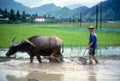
61,3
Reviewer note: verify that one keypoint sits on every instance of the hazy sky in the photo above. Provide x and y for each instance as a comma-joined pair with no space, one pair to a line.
61,3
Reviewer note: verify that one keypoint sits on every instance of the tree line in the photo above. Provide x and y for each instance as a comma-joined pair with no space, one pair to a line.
17,16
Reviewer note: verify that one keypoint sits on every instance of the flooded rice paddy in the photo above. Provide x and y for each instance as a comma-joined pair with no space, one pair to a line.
70,70
76,52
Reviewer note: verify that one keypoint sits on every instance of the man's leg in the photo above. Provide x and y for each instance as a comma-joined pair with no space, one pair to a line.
90,59
95,59
90,55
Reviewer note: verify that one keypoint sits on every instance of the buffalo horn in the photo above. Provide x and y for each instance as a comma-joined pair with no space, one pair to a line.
12,43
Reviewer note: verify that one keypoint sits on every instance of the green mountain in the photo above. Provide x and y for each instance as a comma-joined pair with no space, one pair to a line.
42,10
110,10
11,4
76,12
60,13
67,13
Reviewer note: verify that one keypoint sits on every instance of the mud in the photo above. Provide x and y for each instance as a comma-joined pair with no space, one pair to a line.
70,70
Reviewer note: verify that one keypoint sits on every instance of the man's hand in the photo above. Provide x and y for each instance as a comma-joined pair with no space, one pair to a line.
88,47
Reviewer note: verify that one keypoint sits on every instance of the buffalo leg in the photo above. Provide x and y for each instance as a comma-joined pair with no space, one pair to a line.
39,59
31,59
57,54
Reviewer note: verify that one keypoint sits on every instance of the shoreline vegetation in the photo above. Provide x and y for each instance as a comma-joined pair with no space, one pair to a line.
71,34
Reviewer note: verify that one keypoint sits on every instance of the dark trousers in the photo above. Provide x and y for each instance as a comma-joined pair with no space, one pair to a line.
92,56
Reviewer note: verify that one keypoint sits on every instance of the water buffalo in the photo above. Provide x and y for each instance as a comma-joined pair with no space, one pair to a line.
50,46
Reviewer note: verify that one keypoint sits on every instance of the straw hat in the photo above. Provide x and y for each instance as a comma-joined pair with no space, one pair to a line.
91,27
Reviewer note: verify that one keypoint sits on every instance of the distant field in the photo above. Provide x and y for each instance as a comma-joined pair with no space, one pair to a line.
71,34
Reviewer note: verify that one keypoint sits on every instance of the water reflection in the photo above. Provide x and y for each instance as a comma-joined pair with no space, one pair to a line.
18,75
36,76
92,73
5,74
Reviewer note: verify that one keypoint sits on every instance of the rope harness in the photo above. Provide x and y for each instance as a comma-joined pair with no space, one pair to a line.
31,43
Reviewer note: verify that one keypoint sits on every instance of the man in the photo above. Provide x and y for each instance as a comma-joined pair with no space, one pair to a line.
92,45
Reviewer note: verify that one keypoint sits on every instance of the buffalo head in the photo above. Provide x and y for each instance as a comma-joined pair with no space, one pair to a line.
12,49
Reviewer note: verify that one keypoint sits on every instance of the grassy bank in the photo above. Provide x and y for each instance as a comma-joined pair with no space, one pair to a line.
72,35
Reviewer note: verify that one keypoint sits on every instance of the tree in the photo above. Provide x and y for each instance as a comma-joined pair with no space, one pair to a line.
23,17
12,15
36,15
6,13
80,19
96,16
18,15
100,15
0,11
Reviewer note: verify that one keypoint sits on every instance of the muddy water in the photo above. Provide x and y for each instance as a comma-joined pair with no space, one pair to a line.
70,70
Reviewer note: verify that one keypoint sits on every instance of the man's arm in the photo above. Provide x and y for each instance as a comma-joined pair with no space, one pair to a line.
89,45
